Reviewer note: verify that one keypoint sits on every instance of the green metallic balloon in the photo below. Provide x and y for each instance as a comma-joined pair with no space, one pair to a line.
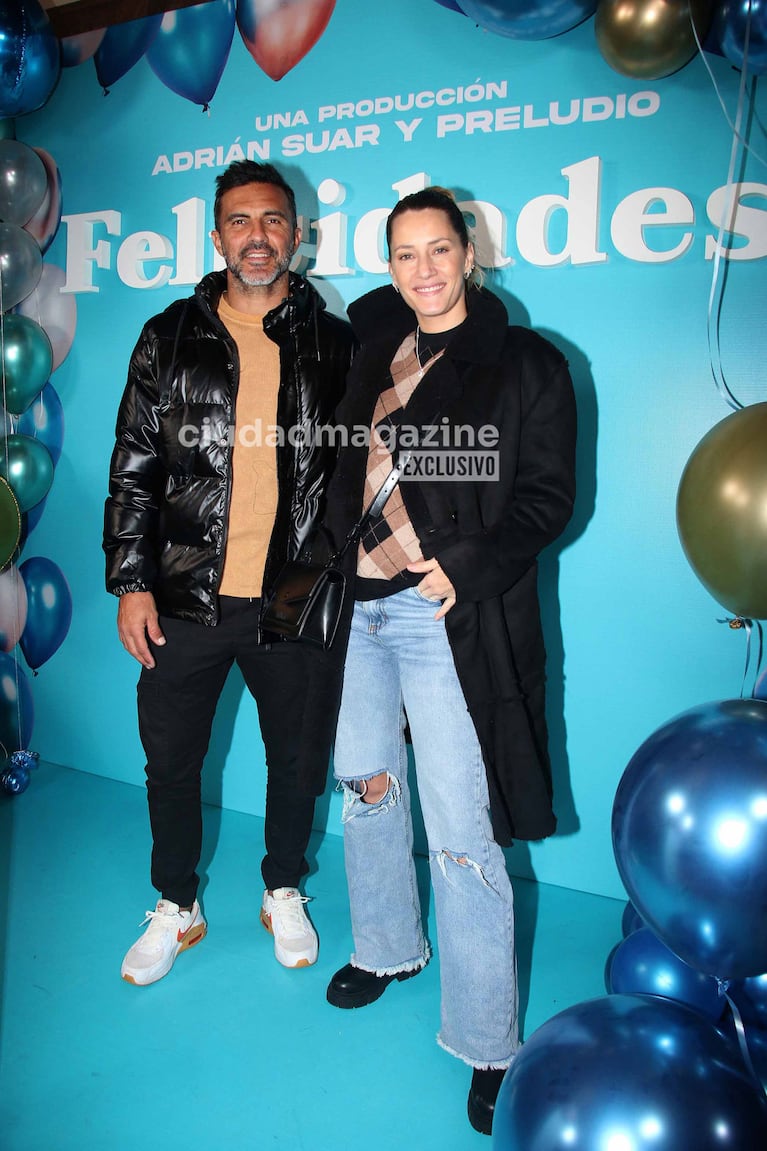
27,466
26,357
721,512
649,39
10,523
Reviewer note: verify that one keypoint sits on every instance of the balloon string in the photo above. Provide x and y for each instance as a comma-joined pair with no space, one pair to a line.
740,1031
736,623
747,146
716,295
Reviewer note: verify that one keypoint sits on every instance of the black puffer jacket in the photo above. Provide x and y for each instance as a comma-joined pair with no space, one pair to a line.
165,522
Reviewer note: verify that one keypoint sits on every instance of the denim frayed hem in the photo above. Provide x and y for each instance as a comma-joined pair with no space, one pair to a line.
482,1065
397,968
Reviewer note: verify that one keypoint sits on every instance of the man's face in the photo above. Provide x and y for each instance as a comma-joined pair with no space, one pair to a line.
256,235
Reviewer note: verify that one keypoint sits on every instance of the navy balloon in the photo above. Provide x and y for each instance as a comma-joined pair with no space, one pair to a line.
528,19
49,610
732,20
631,920
30,58
16,705
641,963
629,1072
123,46
191,49
689,827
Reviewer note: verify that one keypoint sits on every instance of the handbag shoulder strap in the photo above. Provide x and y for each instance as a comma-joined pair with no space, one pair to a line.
376,505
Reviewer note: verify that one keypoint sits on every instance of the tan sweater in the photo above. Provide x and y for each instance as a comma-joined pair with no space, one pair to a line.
254,460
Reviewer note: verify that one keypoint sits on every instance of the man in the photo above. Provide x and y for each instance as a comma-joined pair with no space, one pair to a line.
211,490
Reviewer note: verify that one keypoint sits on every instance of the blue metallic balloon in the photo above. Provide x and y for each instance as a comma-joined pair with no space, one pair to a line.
641,963
689,827
733,18
49,610
528,19
192,47
17,709
629,1073
30,58
631,920
123,46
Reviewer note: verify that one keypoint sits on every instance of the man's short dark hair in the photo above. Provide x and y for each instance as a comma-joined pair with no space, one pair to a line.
243,172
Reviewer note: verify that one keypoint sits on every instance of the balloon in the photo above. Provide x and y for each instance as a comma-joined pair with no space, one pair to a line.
27,466
54,310
629,1073
30,60
16,705
750,997
642,963
720,511
27,356
123,46
44,421
49,610
23,182
631,920
21,265
689,827
732,20
10,522
43,225
528,19
29,522
190,51
279,34
648,39
77,49
13,607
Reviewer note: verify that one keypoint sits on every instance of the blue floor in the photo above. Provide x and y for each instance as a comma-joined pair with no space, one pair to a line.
229,1051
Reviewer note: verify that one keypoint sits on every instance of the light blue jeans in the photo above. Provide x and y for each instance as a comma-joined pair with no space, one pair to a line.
399,655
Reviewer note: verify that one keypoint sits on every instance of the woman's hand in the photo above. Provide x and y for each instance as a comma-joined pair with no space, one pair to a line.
435,585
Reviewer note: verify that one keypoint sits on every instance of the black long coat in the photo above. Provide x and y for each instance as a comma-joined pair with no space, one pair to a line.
486,534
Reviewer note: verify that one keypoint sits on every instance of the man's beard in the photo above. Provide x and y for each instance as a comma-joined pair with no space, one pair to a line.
262,279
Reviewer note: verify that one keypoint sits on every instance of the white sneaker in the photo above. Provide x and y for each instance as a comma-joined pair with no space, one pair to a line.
170,931
295,940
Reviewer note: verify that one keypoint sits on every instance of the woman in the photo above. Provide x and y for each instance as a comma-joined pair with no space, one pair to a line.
445,632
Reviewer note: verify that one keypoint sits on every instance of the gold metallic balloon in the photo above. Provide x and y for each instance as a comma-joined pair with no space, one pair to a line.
648,39
721,511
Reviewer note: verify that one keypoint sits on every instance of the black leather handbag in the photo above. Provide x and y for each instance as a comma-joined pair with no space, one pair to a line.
305,600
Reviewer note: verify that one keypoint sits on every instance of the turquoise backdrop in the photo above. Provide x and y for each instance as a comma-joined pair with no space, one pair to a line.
597,200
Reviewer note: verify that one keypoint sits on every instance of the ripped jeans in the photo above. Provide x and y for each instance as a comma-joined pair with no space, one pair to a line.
398,654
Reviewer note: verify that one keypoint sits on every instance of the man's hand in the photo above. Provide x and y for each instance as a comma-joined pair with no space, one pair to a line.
137,619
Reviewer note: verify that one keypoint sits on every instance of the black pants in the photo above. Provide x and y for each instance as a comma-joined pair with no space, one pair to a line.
177,702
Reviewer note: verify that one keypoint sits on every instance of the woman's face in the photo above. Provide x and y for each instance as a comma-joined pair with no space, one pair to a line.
428,264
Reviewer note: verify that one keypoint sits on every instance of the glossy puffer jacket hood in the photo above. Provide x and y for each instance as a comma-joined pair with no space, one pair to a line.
165,525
